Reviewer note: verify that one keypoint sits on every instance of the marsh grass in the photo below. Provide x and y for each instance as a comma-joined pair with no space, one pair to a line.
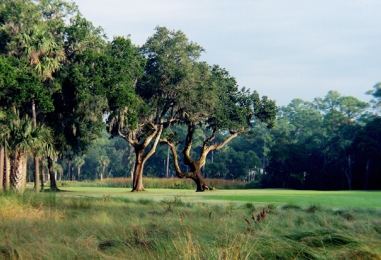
41,226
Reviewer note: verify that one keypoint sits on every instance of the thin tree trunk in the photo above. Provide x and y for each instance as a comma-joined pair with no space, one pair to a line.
366,183
7,171
2,154
69,170
37,174
53,184
36,159
349,176
167,166
25,171
79,173
42,174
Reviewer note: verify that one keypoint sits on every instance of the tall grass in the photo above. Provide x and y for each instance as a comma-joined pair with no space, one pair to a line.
157,183
43,226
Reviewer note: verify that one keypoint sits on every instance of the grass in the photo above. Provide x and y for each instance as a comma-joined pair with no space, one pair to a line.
260,196
104,223
156,183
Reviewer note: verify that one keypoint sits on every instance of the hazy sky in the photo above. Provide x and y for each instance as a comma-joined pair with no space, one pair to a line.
285,49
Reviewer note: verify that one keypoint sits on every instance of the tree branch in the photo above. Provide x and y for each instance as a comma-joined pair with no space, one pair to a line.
179,173
153,149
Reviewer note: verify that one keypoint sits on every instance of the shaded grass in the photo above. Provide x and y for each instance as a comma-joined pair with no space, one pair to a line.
39,226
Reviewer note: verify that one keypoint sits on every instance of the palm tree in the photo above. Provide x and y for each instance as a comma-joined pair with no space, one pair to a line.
103,162
37,42
24,139
57,168
49,151
79,162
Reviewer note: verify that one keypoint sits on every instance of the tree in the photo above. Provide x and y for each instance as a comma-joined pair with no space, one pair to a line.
77,118
140,120
79,162
367,144
34,35
103,163
24,139
57,169
212,100
376,93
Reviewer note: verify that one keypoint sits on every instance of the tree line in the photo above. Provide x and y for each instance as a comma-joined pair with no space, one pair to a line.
329,143
72,99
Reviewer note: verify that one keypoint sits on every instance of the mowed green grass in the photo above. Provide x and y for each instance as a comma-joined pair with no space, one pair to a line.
366,199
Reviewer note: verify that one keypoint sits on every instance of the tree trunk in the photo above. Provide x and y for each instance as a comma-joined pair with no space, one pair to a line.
25,171
37,174
69,170
200,181
349,176
2,168
42,175
167,166
7,171
53,184
79,173
366,183
17,173
137,180
36,159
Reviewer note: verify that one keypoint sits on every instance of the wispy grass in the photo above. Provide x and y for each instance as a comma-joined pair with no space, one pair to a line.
37,226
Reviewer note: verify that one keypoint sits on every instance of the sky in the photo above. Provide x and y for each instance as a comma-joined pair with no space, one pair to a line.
284,49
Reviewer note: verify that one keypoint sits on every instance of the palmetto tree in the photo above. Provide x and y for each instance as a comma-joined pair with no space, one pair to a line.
23,139
79,162
57,169
103,162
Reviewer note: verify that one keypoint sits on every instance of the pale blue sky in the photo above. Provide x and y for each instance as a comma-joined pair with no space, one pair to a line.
284,49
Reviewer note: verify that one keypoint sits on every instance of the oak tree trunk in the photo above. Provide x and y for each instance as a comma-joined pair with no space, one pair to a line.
137,180
200,181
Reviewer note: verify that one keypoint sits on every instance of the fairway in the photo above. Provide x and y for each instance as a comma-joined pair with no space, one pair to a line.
261,196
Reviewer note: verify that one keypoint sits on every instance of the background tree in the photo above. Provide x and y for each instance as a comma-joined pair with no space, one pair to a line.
79,162
103,163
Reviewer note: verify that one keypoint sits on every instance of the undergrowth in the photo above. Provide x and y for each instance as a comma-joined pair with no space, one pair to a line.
48,226
157,183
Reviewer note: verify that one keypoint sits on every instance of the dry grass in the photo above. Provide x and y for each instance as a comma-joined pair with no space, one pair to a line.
157,183
47,227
